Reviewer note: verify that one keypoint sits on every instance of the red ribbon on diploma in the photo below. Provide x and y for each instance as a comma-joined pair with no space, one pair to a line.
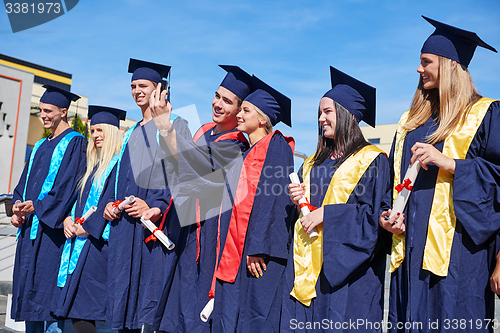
405,184
117,203
304,204
79,220
152,237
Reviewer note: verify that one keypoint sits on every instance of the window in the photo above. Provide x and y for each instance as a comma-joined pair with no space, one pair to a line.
374,141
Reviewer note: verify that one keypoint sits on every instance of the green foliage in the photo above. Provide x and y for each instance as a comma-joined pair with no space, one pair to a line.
80,126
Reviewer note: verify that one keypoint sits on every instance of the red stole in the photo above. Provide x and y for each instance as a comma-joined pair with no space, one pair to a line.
244,199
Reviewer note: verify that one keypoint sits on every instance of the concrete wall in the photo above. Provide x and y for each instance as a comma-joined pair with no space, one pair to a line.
384,133
15,94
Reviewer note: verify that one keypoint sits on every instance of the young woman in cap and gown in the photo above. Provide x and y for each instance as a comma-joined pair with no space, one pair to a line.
441,256
83,269
47,191
338,277
254,226
203,162
134,283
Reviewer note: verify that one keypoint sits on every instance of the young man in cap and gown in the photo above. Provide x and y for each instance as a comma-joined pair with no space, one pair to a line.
255,226
46,190
141,172
203,163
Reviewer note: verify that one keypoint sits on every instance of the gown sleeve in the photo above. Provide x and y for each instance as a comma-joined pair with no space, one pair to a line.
351,230
203,167
52,209
476,191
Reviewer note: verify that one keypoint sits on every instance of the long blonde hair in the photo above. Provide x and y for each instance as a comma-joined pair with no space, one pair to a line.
451,101
112,144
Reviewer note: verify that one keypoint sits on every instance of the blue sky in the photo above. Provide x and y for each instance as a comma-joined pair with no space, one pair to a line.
288,44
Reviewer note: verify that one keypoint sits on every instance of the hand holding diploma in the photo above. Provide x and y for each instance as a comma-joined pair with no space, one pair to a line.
302,202
23,208
158,233
119,206
392,220
77,226
17,221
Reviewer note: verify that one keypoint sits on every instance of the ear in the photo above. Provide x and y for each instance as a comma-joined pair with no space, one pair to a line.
64,112
262,122
454,64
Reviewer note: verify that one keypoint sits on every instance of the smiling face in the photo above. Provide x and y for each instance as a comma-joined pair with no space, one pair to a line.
225,107
429,70
248,118
97,135
141,91
51,115
327,117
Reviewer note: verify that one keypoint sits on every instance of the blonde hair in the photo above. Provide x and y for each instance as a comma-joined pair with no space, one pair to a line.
269,126
112,144
451,101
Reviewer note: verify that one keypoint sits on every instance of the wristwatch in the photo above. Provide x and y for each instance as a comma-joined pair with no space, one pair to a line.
165,133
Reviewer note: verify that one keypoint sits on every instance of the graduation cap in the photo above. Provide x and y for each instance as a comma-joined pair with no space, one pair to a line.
357,97
105,115
453,43
143,70
237,81
270,101
57,96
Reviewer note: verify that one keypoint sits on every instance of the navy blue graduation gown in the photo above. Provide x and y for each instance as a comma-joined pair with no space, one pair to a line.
142,174
350,285
464,294
253,304
202,166
34,289
157,272
84,295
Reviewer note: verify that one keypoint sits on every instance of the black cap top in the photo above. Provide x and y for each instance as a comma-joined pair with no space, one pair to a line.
147,70
357,97
453,43
105,115
237,81
270,101
57,96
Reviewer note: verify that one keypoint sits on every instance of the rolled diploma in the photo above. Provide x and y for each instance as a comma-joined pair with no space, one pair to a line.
402,198
89,213
304,210
16,204
158,233
207,310
85,216
130,199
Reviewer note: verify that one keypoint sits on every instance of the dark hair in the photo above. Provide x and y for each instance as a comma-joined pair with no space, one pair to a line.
346,141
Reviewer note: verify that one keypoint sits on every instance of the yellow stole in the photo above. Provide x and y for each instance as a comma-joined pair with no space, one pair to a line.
442,219
308,253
